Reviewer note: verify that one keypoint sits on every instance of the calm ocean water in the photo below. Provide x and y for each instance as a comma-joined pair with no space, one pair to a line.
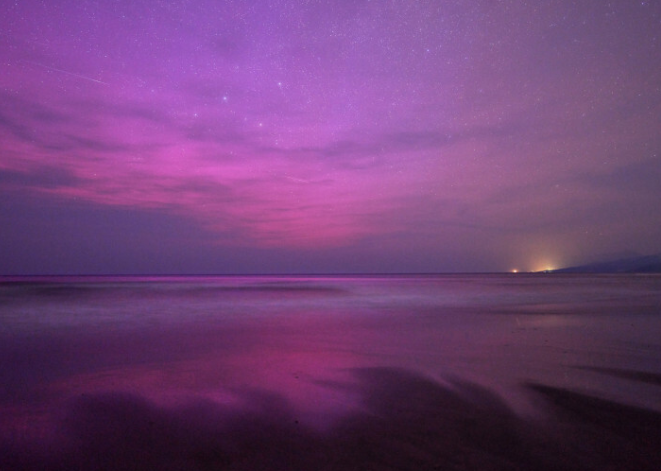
300,341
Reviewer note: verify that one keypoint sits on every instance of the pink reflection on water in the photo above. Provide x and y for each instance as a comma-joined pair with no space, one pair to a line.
301,343
310,380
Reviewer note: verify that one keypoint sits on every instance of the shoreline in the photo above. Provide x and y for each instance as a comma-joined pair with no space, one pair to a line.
406,421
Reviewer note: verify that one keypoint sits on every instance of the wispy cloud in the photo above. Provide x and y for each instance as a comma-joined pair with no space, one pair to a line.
326,137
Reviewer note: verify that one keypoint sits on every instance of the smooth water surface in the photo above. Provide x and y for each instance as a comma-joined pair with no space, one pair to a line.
246,343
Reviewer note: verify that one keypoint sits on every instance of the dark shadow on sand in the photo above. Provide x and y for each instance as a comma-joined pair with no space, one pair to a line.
407,422
633,375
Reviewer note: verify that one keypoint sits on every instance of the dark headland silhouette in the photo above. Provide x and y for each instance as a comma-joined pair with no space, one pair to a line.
638,264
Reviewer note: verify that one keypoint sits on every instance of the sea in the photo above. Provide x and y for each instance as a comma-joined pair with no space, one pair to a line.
291,372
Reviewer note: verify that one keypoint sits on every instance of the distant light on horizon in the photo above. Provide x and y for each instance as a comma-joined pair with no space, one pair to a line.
544,265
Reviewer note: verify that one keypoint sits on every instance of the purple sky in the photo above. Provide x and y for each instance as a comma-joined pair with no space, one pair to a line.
312,136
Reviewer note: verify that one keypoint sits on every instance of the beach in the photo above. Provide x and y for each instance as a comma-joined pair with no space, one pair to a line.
346,372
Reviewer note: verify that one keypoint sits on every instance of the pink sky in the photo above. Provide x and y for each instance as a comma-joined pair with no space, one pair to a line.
312,136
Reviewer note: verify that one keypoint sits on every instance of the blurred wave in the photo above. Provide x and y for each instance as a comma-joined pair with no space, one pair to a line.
406,422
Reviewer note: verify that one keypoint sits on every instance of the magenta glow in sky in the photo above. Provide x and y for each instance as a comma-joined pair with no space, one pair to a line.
304,136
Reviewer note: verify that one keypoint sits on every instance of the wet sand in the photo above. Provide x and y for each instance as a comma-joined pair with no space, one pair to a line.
472,372
405,422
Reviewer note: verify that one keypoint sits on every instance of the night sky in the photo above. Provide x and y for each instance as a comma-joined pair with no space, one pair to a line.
312,136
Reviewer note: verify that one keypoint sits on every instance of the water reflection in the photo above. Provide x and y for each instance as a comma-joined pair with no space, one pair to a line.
327,354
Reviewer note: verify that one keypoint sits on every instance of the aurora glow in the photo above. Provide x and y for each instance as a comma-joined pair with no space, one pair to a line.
290,136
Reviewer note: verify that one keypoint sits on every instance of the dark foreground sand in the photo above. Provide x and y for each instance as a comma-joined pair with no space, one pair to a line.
407,423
